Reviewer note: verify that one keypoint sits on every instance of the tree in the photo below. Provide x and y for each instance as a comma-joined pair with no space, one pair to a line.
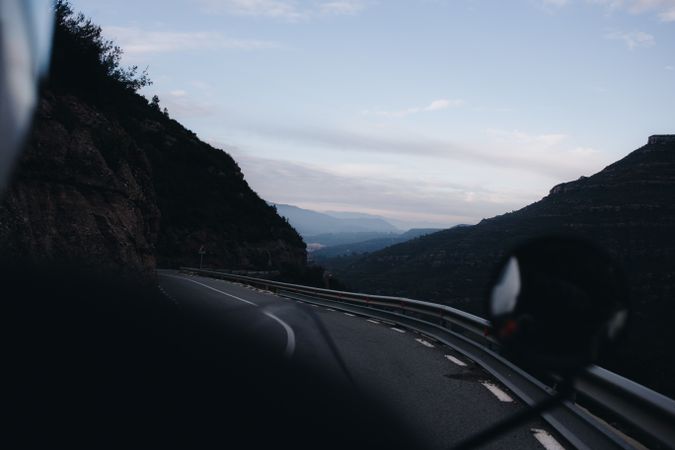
155,102
82,58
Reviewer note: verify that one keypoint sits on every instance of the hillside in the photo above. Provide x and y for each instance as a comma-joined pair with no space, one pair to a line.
109,181
325,255
627,208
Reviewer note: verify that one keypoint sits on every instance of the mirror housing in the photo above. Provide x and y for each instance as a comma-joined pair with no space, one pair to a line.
556,302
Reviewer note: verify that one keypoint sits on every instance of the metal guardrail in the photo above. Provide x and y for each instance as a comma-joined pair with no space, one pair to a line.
636,407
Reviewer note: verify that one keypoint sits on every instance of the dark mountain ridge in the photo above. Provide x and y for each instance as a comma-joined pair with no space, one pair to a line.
627,208
324,255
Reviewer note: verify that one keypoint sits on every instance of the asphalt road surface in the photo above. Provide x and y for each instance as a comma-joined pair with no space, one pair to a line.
442,394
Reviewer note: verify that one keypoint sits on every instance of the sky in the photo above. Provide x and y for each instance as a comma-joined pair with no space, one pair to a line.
431,112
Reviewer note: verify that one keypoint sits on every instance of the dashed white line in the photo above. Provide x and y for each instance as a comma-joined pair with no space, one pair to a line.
329,309
373,321
545,439
425,343
398,329
312,304
456,361
349,314
501,395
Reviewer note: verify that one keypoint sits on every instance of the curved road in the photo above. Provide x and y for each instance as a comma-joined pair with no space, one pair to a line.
442,394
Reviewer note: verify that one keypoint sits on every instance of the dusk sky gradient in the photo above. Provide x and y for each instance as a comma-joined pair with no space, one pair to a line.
435,112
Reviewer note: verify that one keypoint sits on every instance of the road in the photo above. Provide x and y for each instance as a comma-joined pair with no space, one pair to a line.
442,394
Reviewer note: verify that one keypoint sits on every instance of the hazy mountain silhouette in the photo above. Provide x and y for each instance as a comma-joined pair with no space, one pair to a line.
312,223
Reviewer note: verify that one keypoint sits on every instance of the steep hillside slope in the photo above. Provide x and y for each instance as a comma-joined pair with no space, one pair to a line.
123,190
109,181
628,208
82,193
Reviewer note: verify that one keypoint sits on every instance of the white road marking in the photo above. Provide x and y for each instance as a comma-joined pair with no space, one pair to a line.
456,361
350,315
398,329
425,343
546,439
214,289
373,321
329,309
290,335
501,395
312,304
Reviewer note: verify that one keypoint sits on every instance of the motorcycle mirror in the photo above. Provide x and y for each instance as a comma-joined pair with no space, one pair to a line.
556,302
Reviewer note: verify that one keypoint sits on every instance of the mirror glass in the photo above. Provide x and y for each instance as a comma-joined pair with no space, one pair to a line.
555,302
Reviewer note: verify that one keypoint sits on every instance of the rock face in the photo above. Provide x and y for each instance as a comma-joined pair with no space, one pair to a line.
82,194
121,187
627,208
205,201
661,139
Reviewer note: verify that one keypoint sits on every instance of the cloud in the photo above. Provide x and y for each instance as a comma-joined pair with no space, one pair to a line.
135,41
664,9
288,10
182,106
632,39
553,3
320,187
549,155
435,105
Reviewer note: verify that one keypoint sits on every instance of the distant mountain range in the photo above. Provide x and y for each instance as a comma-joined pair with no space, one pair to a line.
339,233
628,208
324,255
311,223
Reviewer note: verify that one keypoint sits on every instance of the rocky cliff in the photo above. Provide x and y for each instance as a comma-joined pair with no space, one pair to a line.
123,190
82,193
628,208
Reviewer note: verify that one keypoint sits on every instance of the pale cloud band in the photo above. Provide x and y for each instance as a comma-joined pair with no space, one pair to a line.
288,10
136,41
435,105
664,9
633,39
319,187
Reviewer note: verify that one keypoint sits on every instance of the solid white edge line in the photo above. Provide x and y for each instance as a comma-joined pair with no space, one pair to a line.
425,343
213,289
545,439
501,395
290,335
398,329
456,361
